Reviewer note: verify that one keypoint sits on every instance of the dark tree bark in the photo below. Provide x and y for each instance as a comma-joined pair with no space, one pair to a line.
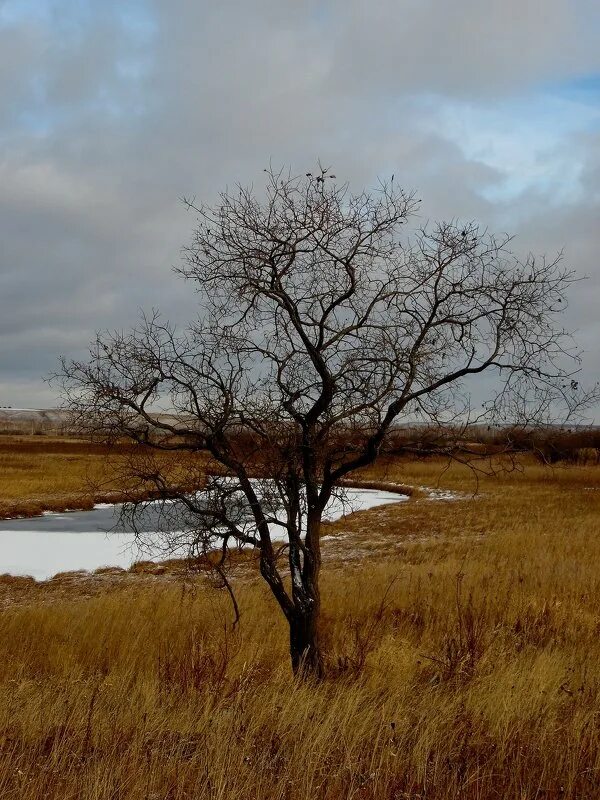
320,327
305,650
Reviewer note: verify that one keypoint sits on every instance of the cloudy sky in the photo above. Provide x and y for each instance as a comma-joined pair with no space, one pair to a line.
111,111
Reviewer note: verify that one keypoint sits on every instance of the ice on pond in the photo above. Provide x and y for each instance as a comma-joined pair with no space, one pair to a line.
58,542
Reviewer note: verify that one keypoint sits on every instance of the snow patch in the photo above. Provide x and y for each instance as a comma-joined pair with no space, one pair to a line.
442,494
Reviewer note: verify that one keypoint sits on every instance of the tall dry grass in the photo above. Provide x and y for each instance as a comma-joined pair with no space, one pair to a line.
463,655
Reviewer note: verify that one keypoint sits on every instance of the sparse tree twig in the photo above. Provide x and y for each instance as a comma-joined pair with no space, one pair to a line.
321,326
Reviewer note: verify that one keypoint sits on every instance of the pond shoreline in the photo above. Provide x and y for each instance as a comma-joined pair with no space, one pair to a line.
38,507
69,541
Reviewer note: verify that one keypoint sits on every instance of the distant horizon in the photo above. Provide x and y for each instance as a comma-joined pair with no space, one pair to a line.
395,426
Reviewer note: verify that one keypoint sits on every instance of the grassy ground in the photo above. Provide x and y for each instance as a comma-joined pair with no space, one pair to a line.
44,473
462,646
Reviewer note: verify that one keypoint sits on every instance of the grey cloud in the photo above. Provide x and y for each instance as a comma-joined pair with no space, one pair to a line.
465,48
95,157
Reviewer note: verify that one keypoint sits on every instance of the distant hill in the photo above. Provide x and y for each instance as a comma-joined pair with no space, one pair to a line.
32,420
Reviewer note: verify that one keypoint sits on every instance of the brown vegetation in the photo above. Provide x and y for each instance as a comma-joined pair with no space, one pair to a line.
59,473
472,668
48,474
56,473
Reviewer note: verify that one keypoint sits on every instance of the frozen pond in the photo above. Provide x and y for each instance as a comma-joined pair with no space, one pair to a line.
43,546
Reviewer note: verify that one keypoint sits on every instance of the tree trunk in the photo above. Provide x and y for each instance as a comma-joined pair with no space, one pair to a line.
307,659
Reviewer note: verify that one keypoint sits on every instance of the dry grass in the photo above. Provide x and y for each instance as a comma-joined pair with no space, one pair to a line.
463,649
40,474
55,474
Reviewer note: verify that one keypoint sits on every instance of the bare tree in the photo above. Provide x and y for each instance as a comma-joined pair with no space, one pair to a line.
320,326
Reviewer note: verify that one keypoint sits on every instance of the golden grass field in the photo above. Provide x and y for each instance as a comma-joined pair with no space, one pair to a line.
58,473
463,651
